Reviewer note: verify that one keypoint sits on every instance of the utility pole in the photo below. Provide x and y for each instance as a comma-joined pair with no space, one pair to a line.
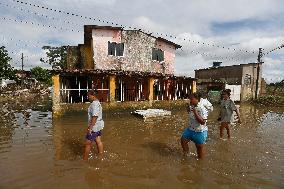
22,62
258,70
22,81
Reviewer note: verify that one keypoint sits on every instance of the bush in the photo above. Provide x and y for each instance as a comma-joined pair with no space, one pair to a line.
42,75
6,70
270,100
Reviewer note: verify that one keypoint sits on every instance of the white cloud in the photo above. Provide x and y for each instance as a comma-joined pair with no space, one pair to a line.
81,3
187,65
185,18
147,24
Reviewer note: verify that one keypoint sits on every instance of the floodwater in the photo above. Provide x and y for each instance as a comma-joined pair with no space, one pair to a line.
38,152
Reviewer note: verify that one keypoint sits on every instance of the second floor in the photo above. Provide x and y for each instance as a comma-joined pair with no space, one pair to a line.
113,48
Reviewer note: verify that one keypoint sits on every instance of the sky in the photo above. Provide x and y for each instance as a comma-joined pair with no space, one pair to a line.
202,27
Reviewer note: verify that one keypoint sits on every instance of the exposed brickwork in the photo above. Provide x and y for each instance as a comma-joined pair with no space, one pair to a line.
138,51
73,58
130,78
137,56
169,56
101,59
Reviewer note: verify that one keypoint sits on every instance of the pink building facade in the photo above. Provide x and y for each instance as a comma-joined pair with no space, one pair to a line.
137,52
123,65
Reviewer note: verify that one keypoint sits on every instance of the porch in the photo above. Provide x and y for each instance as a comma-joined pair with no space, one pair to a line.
71,87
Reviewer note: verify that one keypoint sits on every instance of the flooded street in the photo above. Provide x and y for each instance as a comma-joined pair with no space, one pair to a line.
38,152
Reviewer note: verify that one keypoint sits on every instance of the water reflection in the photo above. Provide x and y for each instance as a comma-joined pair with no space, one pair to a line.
94,178
139,154
68,137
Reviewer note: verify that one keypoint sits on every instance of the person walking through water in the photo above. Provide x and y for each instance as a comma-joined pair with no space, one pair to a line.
226,114
197,129
95,125
205,102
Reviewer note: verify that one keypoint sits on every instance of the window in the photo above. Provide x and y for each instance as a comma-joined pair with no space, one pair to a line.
247,80
111,48
115,49
119,49
158,55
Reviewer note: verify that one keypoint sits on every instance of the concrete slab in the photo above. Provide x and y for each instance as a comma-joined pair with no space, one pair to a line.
152,113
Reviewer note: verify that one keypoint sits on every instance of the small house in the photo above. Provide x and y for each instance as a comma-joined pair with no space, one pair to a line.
123,66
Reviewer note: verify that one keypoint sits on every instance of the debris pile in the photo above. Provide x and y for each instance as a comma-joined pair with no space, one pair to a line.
152,113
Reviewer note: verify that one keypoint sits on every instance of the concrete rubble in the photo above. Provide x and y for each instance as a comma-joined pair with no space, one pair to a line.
152,113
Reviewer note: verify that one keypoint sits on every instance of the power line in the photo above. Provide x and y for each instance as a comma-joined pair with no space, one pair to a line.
214,57
276,48
130,27
38,14
17,58
196,52
27,43
41,25
20,52
22,43
207,55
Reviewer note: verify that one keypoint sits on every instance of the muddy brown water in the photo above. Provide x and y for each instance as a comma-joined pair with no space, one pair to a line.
38,152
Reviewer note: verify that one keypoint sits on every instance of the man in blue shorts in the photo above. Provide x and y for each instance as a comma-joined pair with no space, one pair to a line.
197,129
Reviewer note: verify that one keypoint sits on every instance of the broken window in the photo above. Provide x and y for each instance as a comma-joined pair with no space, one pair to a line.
119,49
158,55
247,80
115,49
74,89
111,48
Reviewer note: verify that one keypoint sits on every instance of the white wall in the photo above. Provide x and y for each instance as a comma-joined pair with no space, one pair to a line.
235,92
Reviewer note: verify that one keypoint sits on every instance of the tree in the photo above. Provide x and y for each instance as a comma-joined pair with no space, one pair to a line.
277,85
56,57
42,75
6,70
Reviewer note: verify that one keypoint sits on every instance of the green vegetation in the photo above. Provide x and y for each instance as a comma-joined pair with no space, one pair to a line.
56,57
42,75
6,70
271,100
276,88
274,95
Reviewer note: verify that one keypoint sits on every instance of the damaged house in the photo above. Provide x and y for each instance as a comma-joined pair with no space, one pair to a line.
244,80
127,66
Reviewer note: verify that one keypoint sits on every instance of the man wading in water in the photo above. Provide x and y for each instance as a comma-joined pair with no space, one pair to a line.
95,125
197,130
226,113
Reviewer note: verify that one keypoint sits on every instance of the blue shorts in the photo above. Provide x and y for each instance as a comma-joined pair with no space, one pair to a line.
196,137
93,135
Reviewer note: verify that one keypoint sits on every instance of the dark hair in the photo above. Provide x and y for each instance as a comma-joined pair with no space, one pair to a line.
202,94
227,91
195,95
93,92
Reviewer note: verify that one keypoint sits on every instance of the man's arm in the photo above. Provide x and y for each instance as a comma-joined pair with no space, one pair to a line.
234,107
238,114
92,123
187,106
209,106
198,117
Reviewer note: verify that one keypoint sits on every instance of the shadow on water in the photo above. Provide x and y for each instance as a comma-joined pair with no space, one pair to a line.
163,149
76,147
